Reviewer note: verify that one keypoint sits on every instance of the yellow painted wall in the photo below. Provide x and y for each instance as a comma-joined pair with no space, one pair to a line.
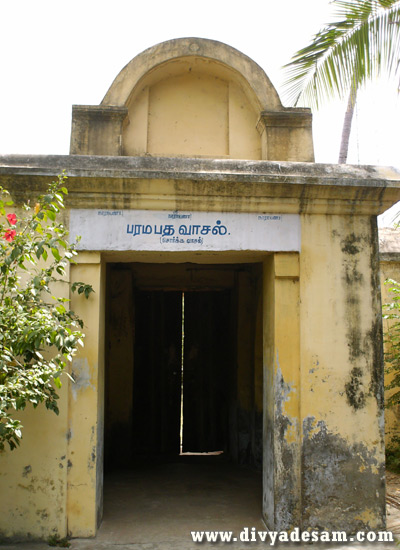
341,370
178,104
33,490
86,404
196,111
282,415
335,290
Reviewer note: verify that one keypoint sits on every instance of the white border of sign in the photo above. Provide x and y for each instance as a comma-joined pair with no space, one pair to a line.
156,230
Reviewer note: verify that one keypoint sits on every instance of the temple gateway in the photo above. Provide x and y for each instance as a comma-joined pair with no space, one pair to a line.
199,203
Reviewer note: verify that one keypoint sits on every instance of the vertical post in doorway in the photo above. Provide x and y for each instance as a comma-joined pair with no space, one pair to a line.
281,431
86,404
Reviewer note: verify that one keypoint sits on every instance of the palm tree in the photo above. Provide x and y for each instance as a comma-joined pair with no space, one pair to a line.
345,54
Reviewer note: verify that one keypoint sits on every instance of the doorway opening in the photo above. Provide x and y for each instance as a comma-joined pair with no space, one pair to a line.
187,378
184,363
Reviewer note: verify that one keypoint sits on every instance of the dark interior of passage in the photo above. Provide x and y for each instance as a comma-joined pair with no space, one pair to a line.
183,362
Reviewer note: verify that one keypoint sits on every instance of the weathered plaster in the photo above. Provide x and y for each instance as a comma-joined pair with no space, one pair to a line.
282,496
339,477
342,446
287,453
151,183
80,373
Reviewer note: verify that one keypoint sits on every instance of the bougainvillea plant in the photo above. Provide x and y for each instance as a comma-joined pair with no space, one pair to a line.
39,334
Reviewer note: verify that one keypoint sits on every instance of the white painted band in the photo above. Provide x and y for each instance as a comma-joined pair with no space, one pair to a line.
181,231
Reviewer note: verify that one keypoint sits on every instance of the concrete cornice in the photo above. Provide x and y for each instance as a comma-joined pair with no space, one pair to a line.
206,184
390,257
99,110
286,118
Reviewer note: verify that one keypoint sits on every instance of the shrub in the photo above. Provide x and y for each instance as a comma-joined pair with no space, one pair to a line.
39,334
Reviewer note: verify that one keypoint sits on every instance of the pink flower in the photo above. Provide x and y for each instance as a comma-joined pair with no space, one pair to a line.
12,219
9,235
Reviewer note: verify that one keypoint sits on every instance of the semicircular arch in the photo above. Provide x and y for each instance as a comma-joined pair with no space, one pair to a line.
241,68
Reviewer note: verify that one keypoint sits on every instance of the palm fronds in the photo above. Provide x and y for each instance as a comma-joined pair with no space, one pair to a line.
364,41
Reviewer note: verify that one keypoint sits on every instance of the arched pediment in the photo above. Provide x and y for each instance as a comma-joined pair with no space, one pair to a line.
193,97
231,61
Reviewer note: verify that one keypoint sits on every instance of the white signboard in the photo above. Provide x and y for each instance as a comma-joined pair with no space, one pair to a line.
181,231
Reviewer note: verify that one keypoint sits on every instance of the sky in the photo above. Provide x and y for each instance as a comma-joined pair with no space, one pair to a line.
56,53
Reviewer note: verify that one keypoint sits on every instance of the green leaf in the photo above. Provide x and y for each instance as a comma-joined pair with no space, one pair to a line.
15,253
56,254
51,214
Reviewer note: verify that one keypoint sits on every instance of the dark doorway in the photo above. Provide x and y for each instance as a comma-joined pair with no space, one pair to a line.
181,372
157,373
208,343
184,363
